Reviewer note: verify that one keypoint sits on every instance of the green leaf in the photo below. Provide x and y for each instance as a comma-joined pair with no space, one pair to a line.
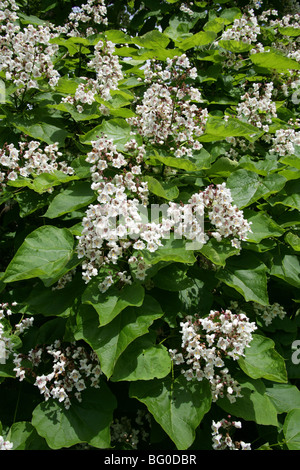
152,40
291,429
286,266
178,406
289,196
289,31
218,252
272,60
28,202
116,129
117,37
25,19
175,250
293,240
223,167
87,421
172,278
218,129
262,226
199,39
254,405
165,190
41,300
89,111
78,195
43,254
24,437
216,25
43,182
236,47
173,162
247,275
247,187
109,304
261,360
111,340
142,360
285,397
48,132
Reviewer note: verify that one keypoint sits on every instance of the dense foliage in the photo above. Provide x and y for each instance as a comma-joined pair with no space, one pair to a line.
150,197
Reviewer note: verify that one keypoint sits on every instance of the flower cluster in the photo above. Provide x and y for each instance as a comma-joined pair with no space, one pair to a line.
186,9
119,223
168,113
266,312
64,280
30,159
26,56
8,9
207,343
102,240
284,142
108,73
6,342
92,13
269,312
73,370
5,444
124,430
245,29
221,439
227,220
257,106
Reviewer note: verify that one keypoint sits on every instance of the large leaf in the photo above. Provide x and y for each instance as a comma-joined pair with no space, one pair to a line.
172,278
43,254
286,266
235,46
253,405
152,40
24,437
289,196
173,249
247,275
87,421
272,60
248,187
43,182
47,131
164,190
262,226
285,397
109,304
291,429
178,406
116,129
142,360
42,301
218,129
71,199
199,39
111,340
261,360
218,252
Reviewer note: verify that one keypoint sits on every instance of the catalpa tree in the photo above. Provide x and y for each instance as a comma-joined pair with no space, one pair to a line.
149,173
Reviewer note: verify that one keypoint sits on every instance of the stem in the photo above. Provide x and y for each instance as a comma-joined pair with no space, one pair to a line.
17,404
80,57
